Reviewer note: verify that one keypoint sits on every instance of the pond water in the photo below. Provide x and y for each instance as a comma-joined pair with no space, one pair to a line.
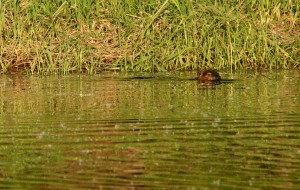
150,131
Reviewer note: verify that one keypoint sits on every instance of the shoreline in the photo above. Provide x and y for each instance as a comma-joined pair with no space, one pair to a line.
62,37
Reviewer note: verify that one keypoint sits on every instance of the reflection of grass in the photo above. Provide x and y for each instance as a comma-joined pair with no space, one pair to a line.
74,97
76,36
58,128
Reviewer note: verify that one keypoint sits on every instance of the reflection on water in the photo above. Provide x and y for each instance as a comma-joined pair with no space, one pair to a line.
149,131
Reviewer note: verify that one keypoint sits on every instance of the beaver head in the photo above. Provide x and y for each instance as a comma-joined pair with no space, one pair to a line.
209,77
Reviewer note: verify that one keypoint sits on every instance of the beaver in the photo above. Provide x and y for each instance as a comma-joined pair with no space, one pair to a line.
209,77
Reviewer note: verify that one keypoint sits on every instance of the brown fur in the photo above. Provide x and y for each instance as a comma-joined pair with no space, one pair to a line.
209,77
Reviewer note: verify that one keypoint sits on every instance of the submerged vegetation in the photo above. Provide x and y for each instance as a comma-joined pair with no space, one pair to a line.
65,36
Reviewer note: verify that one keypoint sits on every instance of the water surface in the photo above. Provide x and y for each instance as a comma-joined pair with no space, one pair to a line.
150,131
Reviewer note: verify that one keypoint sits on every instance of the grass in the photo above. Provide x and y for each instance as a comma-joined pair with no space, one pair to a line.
66,36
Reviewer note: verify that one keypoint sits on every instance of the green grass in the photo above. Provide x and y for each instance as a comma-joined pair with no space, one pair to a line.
151,35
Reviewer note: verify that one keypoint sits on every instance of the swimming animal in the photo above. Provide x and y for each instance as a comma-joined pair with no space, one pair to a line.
209,77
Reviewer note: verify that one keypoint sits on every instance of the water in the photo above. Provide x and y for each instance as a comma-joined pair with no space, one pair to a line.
150,131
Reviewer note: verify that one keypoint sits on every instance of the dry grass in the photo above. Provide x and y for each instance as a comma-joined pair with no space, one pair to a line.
87,36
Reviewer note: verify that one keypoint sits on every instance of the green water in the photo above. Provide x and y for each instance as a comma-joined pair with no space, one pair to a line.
150,131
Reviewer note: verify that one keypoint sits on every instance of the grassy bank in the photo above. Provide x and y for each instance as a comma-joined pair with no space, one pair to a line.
151,35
